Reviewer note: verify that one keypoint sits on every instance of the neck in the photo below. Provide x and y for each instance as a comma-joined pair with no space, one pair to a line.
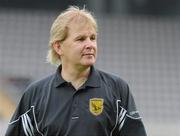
76,75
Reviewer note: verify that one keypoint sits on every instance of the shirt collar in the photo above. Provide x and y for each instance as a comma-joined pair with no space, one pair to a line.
58,78
92,81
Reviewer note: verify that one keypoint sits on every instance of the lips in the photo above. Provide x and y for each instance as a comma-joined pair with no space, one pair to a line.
87,54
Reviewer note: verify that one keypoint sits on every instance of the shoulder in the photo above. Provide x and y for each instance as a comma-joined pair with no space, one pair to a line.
116,84
43,81
109,78
36,90
39,85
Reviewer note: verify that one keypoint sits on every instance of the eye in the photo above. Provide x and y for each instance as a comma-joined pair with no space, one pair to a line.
93,37
81,39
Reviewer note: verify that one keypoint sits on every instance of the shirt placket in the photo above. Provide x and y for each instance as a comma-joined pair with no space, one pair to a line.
75,113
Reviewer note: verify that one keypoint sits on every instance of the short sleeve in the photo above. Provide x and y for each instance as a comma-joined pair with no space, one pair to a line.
128,119
133,124
23,121
15,126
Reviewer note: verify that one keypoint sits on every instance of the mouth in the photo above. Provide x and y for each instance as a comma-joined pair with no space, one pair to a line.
88,54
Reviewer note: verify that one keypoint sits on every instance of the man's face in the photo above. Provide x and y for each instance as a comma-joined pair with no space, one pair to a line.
80,46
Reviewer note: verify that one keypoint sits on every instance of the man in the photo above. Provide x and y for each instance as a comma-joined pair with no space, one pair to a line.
78,100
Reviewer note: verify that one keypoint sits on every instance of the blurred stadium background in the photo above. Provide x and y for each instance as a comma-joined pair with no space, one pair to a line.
139,40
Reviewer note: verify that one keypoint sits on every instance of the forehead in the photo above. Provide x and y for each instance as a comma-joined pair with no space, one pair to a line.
80,25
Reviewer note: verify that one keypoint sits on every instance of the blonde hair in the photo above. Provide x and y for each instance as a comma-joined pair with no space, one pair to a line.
59,29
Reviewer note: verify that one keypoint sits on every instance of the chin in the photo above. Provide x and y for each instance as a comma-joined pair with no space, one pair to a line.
89,63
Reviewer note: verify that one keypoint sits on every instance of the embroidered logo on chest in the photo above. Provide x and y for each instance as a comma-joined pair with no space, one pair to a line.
96,106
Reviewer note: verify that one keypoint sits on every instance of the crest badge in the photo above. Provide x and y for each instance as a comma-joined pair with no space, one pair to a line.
96,106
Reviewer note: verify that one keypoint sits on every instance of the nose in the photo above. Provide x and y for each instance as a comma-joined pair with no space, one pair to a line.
89,43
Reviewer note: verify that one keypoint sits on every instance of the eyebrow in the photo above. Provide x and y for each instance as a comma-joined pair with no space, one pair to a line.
81,35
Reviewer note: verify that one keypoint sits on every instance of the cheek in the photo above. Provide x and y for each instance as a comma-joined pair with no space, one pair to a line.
77,51
95,48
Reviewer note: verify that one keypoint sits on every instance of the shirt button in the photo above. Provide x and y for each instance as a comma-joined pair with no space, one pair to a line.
75,117
74,104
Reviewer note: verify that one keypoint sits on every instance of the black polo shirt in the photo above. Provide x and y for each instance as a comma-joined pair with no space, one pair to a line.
102,106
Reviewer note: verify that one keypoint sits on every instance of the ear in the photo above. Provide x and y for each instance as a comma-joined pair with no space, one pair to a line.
57,47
